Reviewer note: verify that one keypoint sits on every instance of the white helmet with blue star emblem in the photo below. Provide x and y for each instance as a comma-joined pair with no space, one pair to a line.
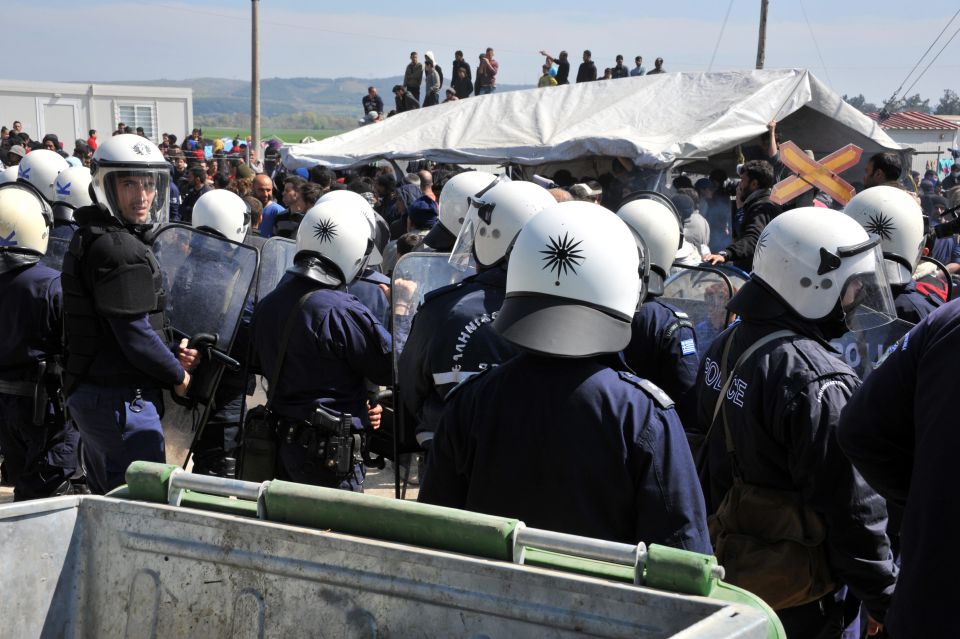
131,180
25,222
573,283
40,169
72,190
896,217
333,242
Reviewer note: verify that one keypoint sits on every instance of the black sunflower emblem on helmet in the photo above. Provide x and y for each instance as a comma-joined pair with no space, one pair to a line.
562,255
881,225
325,231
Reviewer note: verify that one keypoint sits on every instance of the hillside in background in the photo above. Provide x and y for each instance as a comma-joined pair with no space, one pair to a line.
285,103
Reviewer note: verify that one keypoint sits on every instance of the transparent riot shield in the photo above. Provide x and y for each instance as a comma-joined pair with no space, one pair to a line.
414,275
56,249
276,256
702,293
207,280
864,351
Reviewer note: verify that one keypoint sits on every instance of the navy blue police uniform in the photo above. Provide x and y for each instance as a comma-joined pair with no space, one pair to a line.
367,289
913,305
573,445
782,407
899,430
64,229
117,358
334,346
39,445
452,338
663,349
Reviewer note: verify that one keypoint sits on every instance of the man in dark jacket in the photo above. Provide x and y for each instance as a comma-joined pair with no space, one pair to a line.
756,180
588,70
405,101
770,391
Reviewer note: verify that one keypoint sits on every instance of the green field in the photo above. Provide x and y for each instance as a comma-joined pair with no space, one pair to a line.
287,135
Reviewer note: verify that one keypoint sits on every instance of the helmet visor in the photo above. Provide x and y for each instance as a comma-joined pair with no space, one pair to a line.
866,299
462,257
136,196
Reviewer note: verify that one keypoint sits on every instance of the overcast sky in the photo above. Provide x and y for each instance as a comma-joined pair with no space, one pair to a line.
854,46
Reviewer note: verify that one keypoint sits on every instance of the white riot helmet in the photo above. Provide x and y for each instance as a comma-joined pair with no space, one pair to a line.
333,244
72,188
573,283
654,219
9,174
896,217
379,229
497,213
131,180
25,222
223,212
40,169
454,205
824,266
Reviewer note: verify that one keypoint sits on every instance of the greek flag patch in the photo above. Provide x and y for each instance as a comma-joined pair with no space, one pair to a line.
688,347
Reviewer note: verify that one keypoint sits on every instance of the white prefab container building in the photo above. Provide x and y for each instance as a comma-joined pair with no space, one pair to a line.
931,136
70,109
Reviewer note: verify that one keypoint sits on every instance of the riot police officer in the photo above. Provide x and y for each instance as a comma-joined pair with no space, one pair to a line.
663,347
39,169
452,337
371,287
224,213
896,217
39,445
454,206
117,361
321,344
562,436
72,189
770,391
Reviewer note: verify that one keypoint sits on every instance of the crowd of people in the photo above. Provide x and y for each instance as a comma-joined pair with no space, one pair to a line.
557,383
427,77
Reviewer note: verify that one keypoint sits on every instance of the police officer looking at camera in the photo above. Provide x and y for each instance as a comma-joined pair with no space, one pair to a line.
117,359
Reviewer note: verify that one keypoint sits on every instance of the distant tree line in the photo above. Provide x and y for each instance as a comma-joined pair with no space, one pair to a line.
949,104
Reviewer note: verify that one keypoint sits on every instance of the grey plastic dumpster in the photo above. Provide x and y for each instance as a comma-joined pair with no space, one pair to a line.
105,567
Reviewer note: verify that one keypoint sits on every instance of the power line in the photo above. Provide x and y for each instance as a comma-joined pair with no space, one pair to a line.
815,44
932,44
932,61
720,37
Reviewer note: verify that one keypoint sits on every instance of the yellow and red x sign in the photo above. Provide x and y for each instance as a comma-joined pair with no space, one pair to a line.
810,173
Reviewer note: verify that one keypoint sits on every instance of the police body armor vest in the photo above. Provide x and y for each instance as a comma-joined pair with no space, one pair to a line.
119,292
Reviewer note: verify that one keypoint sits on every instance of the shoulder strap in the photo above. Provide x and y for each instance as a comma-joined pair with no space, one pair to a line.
728,378
287,329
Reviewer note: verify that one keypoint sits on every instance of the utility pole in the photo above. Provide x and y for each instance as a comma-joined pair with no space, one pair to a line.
255,79
762,39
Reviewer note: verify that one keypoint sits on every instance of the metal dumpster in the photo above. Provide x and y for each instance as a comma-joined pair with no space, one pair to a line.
114,567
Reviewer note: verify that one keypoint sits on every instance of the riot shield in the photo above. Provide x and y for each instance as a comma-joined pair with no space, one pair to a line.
56,249
414,275
864,351
208,280
702,293
276,256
